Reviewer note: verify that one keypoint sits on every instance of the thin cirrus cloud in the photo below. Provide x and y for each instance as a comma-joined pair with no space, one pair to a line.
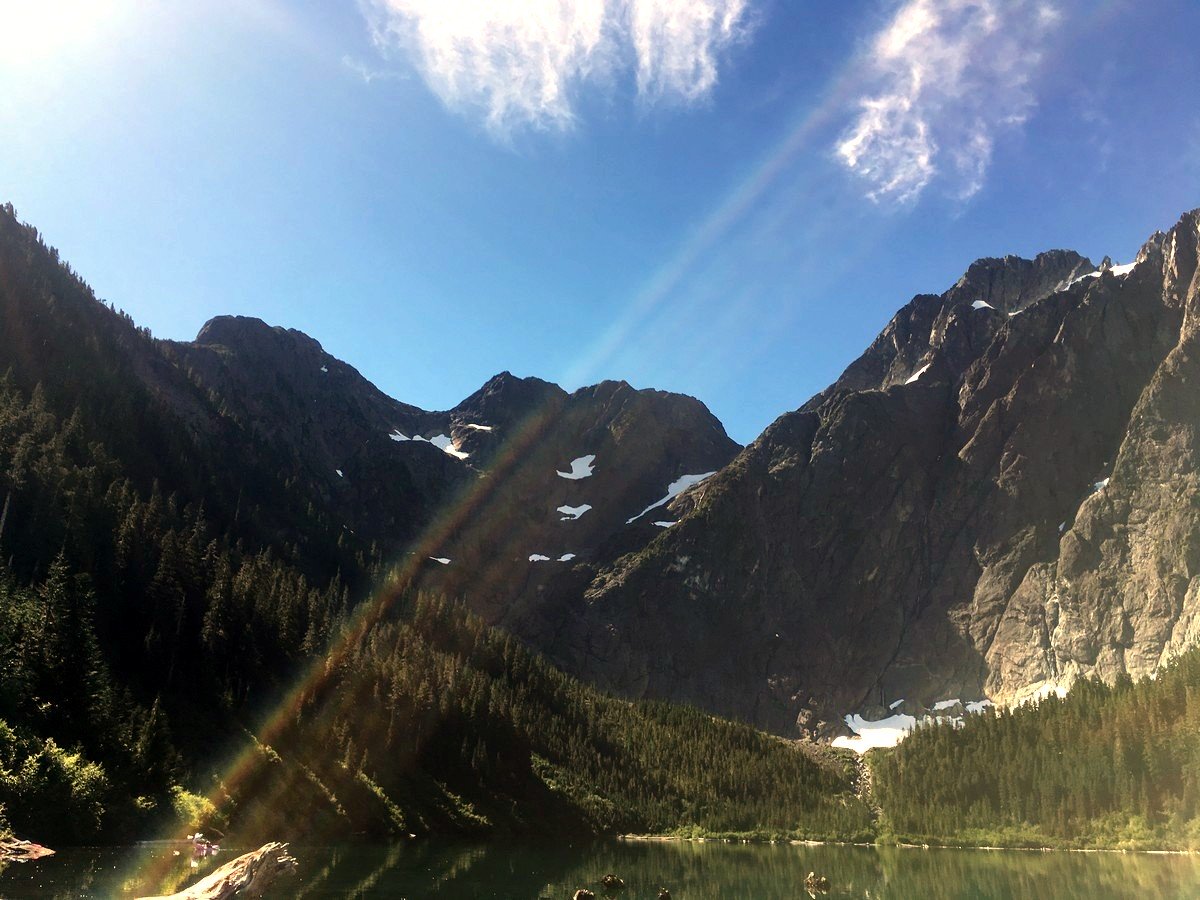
521,63
944,76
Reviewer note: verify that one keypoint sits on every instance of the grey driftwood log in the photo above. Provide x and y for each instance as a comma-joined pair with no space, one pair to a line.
247,876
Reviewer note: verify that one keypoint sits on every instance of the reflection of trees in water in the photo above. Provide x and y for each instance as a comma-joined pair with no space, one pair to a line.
1034,873
423,868
754,871
734,871
75,872
709,870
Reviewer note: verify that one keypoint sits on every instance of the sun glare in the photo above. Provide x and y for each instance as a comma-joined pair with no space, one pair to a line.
37,31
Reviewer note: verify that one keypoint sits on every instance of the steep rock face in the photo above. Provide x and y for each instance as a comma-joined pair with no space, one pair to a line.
935,323
479,484
558,494
322,418
996,498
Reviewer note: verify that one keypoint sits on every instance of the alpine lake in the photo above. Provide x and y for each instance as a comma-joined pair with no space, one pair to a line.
688,869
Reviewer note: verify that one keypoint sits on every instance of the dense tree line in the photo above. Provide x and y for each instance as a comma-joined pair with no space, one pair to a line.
165,637
1108,765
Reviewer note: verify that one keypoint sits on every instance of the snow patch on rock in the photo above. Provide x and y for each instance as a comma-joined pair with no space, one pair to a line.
890,731
580,468
537,557
571,513
917,374
674,489
443,443
882,733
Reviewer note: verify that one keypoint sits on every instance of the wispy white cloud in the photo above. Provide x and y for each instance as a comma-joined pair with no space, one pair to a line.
522,62
368,73
945,76
676,43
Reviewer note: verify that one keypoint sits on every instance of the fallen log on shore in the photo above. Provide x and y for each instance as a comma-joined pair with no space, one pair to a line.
17,850
247,876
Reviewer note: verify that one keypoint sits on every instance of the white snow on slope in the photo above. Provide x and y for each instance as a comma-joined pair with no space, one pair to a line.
1100,485
662,524
1039,692
324,368
440,559
580,468
895,703
443,443
883,733
537,557
570,513
674,489
981,304
478,427
890,731
917,374
1120,271
566,557
339,473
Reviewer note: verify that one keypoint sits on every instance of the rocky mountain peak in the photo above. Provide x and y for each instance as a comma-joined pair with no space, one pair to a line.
1012,283
956,325
251,333
505,398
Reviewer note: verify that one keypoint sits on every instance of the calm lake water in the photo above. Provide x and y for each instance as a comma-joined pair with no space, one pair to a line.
689,870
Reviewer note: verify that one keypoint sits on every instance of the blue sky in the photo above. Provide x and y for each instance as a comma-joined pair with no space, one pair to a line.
727,198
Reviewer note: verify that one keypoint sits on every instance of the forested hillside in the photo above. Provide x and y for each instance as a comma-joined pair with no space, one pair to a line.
433,721
1105,766
120,685
162,589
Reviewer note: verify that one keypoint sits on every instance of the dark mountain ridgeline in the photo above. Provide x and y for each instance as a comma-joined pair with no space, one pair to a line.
187,485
